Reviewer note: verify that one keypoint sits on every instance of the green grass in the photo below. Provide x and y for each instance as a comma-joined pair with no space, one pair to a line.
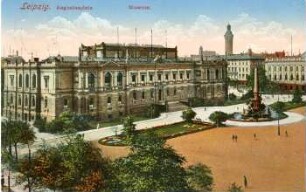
167,131
289,105
182,127
93,124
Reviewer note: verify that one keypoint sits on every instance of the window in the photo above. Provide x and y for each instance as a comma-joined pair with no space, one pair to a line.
174,76
91,80
152,93
134,95
27,79
280,77
181,75
174,91
143,95
133,78
20,80
33,81
167,76
303,77
46,78
107,79
119,79
12,80
119,98
26,101
297,77
33,101
12,99
159,77
46,102
109,100
151,77
188,75
217,73
291,77
143,78
19,100
286,77
208,74
65,102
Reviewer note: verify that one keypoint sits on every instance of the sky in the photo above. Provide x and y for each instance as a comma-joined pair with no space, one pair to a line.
262,25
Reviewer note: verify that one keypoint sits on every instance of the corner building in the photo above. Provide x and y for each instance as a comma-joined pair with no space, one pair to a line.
106,87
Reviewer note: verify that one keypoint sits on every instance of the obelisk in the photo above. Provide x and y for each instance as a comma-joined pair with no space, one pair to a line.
256,99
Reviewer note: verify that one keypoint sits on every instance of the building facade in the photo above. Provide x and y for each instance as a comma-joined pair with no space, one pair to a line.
288,72
240,65
104,88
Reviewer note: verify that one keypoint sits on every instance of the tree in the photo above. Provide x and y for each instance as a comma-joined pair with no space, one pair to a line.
129,128
199,177
278,106
151,166
188,115
28,137
218,117
235,188
297,96
71,166
262,78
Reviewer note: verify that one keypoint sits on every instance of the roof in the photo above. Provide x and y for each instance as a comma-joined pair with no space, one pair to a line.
13,59
242,57
60,58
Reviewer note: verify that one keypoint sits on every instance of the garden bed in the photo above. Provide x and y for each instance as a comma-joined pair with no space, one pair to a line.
165,131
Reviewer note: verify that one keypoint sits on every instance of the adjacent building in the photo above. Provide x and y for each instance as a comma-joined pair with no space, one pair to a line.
288,72
107,81
240,65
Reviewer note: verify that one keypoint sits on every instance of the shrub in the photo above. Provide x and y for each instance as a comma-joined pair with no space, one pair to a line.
188,115
218,117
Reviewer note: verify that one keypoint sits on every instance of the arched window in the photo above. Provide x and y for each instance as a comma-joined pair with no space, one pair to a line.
27,79
91,80
65,102
119,79
33,81
108,79
20,80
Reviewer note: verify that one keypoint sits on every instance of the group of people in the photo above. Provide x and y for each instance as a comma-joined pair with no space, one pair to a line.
235,138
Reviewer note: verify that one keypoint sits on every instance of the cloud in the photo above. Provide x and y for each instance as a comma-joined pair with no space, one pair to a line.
64,35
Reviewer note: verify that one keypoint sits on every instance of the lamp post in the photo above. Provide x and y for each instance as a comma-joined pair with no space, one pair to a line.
278,126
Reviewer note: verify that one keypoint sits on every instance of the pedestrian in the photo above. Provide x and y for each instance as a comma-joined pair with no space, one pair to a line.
286,133
236,138
98,126
245,181
233,137
255,136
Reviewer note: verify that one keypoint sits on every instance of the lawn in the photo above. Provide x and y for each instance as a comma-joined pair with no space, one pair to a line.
166,131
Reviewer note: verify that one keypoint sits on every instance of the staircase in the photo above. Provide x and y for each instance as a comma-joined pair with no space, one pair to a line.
176,106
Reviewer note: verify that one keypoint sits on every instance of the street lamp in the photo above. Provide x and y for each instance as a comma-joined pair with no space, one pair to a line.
278,126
